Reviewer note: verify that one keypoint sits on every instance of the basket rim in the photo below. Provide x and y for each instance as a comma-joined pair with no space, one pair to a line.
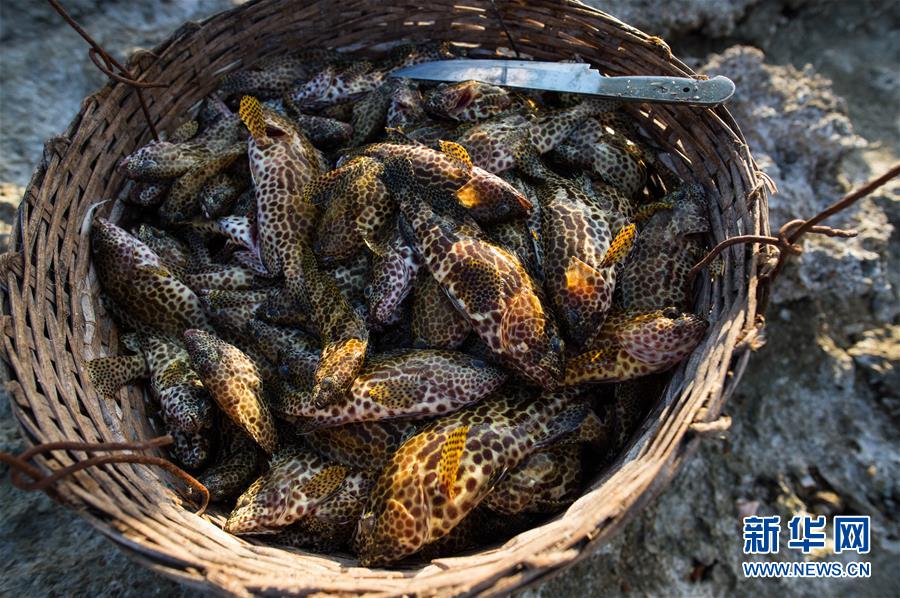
756,291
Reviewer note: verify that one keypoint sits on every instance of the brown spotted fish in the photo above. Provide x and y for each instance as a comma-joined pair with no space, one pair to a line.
580,252
441,474
356,209
335,84
236,464
492,144
545,482
275,75
410,383
282,163
393,276
655,274
487,284
363,445
635,344
298,481
148,294
487,198
341,328
235,383
330,524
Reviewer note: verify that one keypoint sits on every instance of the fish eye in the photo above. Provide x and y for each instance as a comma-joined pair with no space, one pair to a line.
555,344
671,313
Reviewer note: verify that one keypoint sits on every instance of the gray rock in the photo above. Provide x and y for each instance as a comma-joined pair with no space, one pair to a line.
717,19
800,135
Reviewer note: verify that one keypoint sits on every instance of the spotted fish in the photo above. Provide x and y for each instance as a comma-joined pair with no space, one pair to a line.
363,445
631,345
580,252
467,101
486,283
492,144
296,483
331,523
393,276
655,274
487,198
235,383
436,323
236,464
148,295
442,473
282,163
411,383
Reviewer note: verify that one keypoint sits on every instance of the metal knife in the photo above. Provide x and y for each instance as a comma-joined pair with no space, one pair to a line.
574,77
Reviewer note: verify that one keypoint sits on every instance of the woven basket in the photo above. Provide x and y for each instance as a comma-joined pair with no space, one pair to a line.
54,320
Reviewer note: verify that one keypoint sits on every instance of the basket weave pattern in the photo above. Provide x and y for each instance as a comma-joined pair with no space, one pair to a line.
53,319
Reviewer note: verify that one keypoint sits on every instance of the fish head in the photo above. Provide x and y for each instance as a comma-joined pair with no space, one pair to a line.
489,198
278,149
406,104
662,337
689,210
160,160
467,101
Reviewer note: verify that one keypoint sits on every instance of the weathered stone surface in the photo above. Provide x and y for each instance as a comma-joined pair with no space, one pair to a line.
713,18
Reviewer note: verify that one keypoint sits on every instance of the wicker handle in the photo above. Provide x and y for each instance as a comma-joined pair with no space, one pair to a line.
792,231
19,464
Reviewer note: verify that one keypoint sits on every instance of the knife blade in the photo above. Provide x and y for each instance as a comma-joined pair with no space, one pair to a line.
574,77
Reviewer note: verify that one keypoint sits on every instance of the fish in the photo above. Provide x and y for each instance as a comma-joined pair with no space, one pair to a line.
149,295
487,284
579,251
492,144
441,474
393,276
296,483
282,163
407,383
670,242
467,101
486,197
331,523
235,466
235,383
365,445
632,344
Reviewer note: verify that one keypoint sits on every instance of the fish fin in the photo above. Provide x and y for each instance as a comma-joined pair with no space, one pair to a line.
251,115
184,132
458,153
596,365
451,454
582,279
108,374
326,482
620,246
644,213
468,196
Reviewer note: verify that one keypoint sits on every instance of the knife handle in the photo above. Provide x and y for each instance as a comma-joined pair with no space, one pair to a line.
669,90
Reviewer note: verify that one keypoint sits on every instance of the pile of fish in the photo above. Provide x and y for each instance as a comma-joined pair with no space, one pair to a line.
397,318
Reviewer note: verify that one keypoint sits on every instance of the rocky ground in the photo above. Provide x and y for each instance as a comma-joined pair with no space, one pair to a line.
816,417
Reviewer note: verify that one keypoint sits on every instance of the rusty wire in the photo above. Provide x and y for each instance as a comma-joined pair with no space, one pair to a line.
19,464
109,65
791,232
